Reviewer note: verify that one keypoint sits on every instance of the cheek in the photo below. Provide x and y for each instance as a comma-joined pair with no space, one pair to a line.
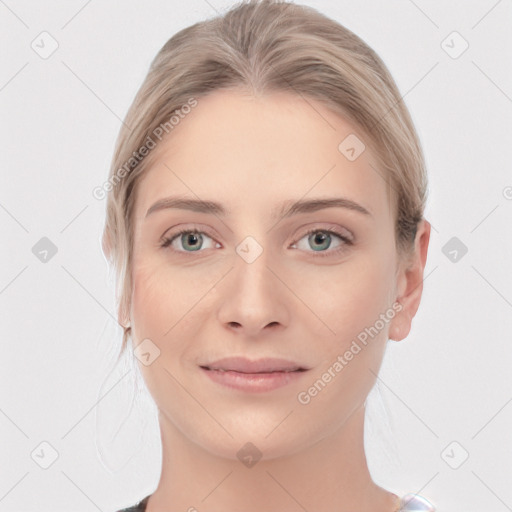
351,304
165,300
350,298
158,313
155,304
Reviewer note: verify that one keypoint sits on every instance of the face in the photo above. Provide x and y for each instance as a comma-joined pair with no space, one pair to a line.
315,286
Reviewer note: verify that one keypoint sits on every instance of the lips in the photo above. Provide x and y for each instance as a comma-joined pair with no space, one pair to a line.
240,374
244,365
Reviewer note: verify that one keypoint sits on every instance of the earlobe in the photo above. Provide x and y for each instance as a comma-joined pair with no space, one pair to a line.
410,285
122,317
400,326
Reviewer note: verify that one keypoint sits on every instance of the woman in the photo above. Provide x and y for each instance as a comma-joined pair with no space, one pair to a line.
265,220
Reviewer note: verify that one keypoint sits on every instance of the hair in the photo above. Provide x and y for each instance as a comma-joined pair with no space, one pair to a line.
264,46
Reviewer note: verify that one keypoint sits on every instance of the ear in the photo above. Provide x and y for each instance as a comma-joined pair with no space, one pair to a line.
123,316
410,284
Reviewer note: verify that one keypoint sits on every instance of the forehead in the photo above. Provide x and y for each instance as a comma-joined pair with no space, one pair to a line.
258,151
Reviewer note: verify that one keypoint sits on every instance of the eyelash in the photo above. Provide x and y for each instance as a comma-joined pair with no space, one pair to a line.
167,241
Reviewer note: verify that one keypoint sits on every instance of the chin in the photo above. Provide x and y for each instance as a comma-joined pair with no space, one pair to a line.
253,442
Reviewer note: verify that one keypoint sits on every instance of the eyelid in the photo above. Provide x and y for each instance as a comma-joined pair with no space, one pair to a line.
343,234
346,242
187,228
166,240
336,229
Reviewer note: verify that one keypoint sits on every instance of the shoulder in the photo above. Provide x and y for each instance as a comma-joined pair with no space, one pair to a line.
415,503
138,507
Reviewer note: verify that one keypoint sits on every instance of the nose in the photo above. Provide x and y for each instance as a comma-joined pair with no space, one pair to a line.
253,299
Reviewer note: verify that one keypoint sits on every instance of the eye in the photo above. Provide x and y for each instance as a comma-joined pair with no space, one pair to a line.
320,240
187,238
191,240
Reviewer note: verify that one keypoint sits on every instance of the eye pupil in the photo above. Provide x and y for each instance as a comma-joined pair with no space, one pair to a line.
323,236
188,236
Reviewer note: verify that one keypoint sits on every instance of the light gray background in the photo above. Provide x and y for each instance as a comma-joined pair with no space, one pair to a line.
448,381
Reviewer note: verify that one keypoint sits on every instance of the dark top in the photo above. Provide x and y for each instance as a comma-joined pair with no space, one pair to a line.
410,503
139,507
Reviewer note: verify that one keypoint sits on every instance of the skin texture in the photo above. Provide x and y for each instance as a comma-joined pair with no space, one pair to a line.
251,154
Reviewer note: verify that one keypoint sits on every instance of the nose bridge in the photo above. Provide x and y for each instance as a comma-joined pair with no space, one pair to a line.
251,250
251,265
254,297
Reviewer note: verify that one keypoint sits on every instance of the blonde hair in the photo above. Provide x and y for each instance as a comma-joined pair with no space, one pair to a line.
264,46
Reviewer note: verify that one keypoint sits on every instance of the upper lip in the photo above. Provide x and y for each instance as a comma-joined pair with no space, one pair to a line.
244,365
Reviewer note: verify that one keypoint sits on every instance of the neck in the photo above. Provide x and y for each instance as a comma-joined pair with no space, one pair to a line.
331,475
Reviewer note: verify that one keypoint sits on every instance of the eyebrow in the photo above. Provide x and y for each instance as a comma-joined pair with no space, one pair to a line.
287,209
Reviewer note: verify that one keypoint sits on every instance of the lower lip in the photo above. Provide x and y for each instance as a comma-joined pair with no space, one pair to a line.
253,382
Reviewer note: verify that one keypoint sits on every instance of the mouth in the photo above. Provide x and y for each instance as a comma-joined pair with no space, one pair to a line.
259,376
265,365
264,372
